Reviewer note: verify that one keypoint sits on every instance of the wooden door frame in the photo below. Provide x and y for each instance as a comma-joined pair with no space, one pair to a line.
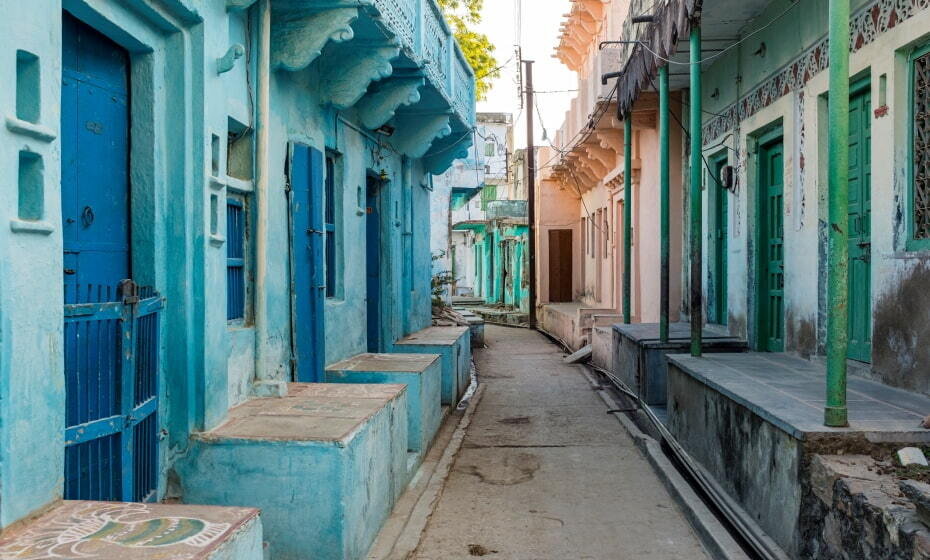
768,135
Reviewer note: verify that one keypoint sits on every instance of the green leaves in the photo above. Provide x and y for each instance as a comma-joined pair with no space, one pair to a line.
477,48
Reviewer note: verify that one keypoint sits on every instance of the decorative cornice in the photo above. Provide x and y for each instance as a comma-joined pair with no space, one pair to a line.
380,105
298,39
874,19
343,89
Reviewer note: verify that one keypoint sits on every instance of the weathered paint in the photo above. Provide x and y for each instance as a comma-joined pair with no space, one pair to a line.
454,346
182,111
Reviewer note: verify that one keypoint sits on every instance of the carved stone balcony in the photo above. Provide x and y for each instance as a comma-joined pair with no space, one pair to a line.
396,62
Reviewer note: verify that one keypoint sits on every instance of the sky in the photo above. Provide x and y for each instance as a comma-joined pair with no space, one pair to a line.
539,37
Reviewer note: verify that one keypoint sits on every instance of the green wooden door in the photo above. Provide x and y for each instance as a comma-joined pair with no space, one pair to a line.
860,239
771,269
717,310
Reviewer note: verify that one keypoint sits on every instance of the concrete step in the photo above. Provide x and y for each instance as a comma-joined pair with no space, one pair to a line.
421,373
117,531
454,346
325,464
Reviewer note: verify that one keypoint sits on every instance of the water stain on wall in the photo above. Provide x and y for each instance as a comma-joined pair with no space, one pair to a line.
901,351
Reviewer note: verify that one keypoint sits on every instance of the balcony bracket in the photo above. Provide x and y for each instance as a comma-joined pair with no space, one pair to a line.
298,38
442,154
417,132
344,89
381,103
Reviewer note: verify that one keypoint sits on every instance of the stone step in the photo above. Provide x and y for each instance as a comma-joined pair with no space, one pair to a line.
453,344
325,464
118,531
421,373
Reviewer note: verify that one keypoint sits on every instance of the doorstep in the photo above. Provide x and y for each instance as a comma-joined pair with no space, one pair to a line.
325,464
754,421
117,531
639,354
454,346
421,373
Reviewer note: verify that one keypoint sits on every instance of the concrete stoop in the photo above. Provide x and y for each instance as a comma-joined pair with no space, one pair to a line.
475,326
454,346
639,354
325,465
502,316
754,422
421,373
118,531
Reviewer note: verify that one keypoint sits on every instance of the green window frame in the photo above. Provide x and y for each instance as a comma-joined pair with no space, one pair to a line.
918,199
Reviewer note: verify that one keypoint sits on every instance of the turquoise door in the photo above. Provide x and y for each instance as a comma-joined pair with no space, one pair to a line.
860,217
770,278
308,281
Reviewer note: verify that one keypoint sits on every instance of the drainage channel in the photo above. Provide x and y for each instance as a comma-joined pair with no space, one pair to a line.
742,528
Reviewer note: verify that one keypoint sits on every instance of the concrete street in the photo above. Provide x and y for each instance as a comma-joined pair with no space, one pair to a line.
544,473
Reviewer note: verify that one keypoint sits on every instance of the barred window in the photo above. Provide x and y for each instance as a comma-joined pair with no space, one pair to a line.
921,146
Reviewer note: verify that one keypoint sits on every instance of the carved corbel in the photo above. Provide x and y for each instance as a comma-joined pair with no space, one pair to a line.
380,105
441,156
595,165
343,89
415,133
606,156
298,38
610,140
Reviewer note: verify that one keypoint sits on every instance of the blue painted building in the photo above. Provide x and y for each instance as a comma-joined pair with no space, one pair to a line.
207,200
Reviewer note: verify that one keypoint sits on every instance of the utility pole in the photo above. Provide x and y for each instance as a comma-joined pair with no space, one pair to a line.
835,413
531,187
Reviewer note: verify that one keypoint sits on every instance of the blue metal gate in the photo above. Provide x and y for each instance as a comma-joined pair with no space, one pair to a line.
111,380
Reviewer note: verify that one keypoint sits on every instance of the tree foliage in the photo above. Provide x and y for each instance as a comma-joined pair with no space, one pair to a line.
462,15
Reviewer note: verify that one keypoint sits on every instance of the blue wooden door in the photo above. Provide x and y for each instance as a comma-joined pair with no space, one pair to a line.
373,263
111,325
308,281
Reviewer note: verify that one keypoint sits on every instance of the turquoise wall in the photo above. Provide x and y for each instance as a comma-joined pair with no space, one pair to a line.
322,92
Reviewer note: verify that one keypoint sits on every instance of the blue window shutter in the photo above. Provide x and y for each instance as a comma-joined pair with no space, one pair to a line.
235,259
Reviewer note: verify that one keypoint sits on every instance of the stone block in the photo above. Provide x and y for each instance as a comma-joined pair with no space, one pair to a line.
421,373
454,347
325,465
911,456
117,531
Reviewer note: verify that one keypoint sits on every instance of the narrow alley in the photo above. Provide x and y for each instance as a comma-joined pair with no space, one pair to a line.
545,473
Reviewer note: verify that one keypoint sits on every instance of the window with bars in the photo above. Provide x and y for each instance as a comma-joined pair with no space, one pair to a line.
920,148
329,225
236,240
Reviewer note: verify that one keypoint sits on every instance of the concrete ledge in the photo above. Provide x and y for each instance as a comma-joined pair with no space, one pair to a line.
117,531
421,373
754,421
325,465
454,346
639,355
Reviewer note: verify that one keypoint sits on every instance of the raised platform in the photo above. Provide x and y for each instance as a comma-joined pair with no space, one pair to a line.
421,373
572,322
639,354
502,315
755,420
325,464
454,346
119,531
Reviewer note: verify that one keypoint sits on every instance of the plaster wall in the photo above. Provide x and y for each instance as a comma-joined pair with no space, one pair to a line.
899,331
557,207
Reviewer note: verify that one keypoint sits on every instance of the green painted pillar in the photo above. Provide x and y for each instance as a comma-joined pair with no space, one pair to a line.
664,206
835,413
627,213
697,216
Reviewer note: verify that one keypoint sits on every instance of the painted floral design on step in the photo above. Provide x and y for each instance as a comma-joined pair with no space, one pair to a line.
91,530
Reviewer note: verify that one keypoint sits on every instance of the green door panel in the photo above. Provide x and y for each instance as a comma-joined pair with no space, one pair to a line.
771,257
860,214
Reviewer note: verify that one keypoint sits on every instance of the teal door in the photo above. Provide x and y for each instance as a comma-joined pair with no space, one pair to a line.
717,308
771,254
860,238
